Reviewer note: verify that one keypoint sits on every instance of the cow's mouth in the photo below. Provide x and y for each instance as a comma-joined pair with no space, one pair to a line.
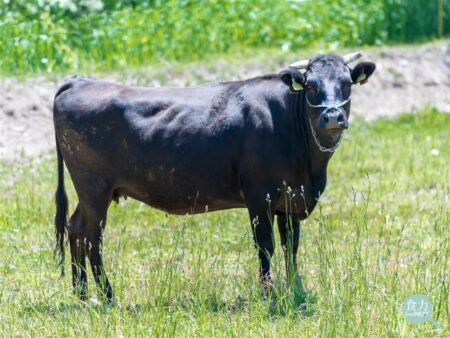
335,130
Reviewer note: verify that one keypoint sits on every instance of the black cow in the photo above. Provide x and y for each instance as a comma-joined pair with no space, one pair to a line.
184,150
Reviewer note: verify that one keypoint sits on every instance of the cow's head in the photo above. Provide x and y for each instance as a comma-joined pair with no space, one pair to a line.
327,82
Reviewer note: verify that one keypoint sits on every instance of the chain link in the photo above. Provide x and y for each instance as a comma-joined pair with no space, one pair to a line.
321,147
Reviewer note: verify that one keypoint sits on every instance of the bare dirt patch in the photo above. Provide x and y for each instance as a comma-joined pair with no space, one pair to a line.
407,78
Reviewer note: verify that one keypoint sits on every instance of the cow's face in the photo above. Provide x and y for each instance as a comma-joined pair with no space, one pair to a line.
327,84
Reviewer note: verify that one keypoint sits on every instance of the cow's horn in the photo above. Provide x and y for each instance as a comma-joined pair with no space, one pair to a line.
302,64
352,57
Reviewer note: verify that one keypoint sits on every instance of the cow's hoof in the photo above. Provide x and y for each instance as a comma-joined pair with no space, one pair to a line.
296,281
266,286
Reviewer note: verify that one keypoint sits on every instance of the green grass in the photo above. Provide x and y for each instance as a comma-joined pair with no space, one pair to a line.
380,234
42,36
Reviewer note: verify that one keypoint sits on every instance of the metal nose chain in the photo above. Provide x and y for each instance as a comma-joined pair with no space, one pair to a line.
321,147
337,106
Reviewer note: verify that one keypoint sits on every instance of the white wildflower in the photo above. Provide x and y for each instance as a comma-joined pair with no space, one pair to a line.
434,152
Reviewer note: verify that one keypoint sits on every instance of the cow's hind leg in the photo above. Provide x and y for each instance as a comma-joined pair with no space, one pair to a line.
95,234
77,240
85,236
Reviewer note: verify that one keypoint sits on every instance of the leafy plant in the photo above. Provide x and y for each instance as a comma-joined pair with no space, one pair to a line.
49,35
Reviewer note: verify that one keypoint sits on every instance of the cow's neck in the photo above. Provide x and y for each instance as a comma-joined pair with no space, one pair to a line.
308,150
311,163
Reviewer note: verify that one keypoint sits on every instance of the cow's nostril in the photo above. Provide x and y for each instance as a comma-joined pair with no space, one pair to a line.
340,118
325,119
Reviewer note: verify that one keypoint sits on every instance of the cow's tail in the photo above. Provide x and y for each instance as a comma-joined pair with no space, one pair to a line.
61,209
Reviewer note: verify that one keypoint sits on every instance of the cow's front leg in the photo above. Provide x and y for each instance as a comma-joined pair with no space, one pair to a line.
262,216
289,227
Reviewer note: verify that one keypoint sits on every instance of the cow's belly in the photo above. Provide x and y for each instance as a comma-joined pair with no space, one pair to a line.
181,202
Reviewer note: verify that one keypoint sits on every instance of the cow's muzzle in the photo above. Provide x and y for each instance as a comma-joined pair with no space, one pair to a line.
333,118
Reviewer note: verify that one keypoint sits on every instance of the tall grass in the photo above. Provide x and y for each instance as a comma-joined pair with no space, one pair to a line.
379,234
57,35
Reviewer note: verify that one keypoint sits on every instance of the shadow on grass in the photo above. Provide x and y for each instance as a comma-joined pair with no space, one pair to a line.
283,299
64,308
290,298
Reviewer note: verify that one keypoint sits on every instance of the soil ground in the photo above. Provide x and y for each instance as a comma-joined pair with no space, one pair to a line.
407,78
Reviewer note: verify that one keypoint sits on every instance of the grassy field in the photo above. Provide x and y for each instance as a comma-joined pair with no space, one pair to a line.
380,234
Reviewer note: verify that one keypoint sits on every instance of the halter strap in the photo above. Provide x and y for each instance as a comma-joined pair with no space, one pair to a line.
328,106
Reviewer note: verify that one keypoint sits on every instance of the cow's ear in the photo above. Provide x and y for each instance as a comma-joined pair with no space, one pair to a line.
362,72
293,79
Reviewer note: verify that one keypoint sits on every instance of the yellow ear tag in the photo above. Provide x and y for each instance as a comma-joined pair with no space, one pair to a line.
361,78
296,86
